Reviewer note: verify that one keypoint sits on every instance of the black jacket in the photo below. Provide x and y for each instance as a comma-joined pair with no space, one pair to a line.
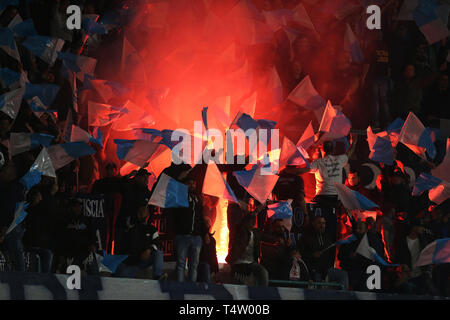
142,236
403,256
76,234
10,193
208,254
312,241
189,221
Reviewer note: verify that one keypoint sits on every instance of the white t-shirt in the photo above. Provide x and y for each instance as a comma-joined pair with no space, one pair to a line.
414,249
328,171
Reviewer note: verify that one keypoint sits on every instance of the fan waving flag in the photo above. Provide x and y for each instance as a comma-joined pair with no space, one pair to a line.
258,185
42,166
65,153
436,252
367,251
44,47
416,137
169,193
353,200
425,182
380,148
306,96
21,142
137,152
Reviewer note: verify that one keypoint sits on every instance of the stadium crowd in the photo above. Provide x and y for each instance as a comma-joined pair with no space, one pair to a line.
402,73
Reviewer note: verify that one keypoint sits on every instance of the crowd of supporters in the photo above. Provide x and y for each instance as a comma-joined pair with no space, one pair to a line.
402,74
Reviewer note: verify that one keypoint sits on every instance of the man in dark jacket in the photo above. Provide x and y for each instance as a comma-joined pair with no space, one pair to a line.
244,253
190,230
11,192
407,253
142,248
208,264
313,248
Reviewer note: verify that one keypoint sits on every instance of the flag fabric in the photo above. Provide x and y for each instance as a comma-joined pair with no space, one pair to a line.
352,46
10,102
169,193
100,115
133,119
416,137
347,239
137,152
334,124
426,17
440,193
45,92
443,170
245,121
8,44
279,210
292,155
425,182
166,136
78,134
436,252
143,134
24,29
393,131
22,142
258,185
276,19
80,65
302,19
215,185
42,166
111,262
353,200
44,47
9,78
306,96
19,215
381,149
367,251
64,153
104,88
307,138
91,27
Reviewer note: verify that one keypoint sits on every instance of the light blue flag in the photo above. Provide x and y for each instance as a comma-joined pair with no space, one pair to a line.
45,48
25,29
8,77
169,193
19,215
8,44
45,92
90,27
425,182
279,210
112,261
